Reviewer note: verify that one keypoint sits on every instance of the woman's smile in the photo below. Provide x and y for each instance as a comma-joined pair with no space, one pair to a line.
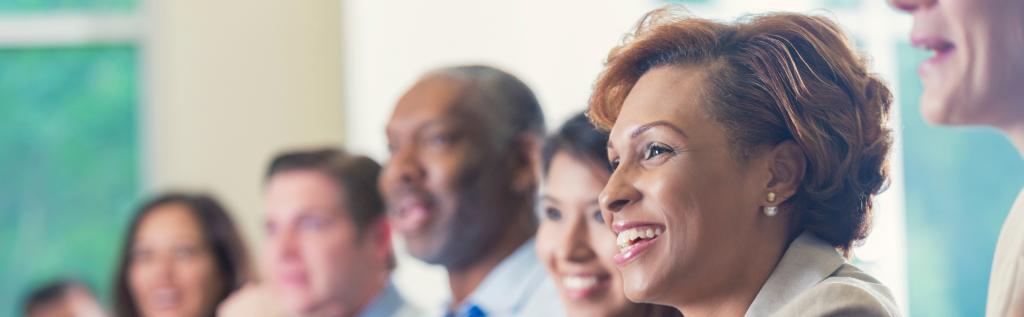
633,239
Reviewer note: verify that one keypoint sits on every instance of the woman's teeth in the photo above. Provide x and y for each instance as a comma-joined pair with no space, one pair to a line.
630,236
579,282
166,298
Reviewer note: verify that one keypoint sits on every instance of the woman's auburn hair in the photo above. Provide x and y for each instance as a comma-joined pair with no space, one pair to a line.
772,78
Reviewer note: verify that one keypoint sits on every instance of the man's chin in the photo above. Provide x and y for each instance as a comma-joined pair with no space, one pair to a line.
299,303
419,247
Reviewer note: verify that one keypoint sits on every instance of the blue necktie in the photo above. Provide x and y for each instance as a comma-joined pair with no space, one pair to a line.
475,311
471,311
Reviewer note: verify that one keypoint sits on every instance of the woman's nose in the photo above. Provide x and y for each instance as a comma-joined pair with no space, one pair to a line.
574,243
618,193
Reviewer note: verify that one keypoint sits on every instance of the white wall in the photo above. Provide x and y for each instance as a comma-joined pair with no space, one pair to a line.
230,83
554,46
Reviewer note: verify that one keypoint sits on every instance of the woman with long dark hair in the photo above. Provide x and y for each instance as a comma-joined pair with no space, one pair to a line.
181,257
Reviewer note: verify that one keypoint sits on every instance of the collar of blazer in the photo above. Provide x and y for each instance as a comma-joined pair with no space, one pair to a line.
808,261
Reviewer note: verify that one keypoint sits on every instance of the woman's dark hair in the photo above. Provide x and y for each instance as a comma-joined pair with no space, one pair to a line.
222,238
579,138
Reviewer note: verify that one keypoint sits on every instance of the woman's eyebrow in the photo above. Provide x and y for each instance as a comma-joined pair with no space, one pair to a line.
660,123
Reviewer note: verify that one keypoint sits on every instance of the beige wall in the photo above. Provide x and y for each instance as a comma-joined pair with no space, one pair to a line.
230,83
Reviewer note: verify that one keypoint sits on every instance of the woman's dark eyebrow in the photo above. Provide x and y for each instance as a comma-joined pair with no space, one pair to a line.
549,197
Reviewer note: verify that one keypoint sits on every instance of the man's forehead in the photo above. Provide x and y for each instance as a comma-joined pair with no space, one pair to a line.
433,93
299,210
431,101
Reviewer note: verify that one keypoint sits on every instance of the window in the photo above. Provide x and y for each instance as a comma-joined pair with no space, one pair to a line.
69,146
44,6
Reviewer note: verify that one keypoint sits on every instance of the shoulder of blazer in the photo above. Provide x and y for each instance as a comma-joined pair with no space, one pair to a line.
847,292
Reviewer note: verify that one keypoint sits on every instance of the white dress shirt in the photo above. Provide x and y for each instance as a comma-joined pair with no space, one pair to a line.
518,286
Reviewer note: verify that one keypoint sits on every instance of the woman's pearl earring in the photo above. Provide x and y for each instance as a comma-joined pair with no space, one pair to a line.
771,211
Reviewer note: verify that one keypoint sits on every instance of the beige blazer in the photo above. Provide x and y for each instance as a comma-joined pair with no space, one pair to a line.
813,279
1006,286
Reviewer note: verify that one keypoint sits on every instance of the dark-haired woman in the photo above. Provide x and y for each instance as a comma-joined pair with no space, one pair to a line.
572,240
182,256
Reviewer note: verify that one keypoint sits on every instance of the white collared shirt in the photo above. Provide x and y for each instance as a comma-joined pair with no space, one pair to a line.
518,286
813,279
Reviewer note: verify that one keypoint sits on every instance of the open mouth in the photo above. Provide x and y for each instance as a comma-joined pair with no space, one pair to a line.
578,286
941,48
166,298
292,279
634,241
412,215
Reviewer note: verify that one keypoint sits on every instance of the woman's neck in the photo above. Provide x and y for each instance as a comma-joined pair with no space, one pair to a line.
634,309
765,251
733,301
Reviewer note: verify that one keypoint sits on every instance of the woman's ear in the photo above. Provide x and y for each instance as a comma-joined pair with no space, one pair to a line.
786,166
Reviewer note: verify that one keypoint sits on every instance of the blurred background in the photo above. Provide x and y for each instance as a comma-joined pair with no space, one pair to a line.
106,102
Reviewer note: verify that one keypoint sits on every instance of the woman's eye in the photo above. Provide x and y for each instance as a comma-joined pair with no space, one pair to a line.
141,256
185,252
598,217
553,214
655,150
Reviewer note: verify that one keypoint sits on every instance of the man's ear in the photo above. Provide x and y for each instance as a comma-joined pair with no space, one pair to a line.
380,235
526,163
786,165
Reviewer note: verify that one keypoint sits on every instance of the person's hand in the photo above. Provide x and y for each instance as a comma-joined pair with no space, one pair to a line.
251,301
255,300
83,304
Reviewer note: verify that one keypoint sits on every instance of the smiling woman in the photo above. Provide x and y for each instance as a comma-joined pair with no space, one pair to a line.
181,257
572,240
745,158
